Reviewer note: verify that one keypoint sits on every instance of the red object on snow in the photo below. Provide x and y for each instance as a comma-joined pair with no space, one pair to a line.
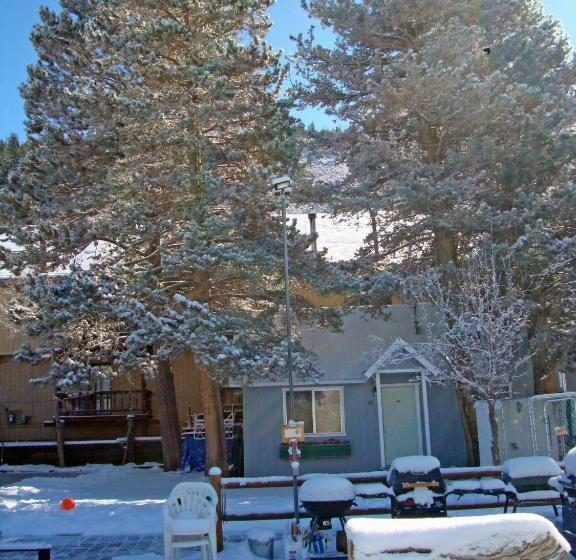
67,504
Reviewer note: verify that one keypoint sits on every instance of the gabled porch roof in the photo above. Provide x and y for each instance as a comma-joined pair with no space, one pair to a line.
384,362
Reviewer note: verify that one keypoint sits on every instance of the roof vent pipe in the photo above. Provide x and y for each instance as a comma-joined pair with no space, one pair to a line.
313,232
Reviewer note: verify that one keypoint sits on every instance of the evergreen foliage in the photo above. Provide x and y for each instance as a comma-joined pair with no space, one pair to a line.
461,122
154,128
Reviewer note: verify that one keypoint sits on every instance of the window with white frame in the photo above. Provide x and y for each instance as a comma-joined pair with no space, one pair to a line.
321,409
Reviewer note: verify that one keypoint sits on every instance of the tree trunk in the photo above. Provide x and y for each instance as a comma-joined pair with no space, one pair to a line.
168,416
545,374
445,247
375,240
216,455
468,415
59,426
495,437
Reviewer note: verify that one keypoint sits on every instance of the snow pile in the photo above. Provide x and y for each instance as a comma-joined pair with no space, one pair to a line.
421,496
384,537
109,501
484,485
554,482
570,462
524,467
327,489
417,464
373,489
492,484
260,535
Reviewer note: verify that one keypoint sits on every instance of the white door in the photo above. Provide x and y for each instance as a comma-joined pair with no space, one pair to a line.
401,420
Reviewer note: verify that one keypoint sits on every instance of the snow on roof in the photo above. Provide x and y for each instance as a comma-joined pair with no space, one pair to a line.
327,489
341,238
523,467
420,464
444,536
384,361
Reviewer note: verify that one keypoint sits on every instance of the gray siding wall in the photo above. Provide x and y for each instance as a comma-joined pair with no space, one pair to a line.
263,418
348,353
446,429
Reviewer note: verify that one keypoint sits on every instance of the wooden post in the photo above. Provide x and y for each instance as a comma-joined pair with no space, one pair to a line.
59,425
130,449
215,474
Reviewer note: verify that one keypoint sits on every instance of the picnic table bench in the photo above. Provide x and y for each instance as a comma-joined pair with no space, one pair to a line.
43,549
483,487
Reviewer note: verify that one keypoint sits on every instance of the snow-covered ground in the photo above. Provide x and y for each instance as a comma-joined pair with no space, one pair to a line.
128,501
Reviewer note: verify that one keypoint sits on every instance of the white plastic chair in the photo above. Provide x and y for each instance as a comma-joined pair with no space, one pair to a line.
190,520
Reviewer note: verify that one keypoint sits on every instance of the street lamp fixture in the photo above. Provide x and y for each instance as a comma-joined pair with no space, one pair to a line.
282,185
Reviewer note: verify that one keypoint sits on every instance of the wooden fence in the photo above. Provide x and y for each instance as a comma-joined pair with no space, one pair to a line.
224,484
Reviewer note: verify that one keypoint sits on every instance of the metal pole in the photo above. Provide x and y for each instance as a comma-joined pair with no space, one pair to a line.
289,350
288,318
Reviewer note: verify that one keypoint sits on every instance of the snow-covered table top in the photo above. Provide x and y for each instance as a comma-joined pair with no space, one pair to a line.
526,467
379,538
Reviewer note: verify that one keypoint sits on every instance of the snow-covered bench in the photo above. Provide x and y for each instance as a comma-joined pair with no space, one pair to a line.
528,479
43,549
514,537
484,487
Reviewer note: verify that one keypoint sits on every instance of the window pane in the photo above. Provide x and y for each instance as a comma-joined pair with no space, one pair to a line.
302,409
328,419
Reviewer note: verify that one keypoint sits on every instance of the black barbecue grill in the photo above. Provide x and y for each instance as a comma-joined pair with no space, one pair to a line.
567,486
405,481
323,512
324,505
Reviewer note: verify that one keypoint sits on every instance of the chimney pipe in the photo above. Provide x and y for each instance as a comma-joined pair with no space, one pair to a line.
313,233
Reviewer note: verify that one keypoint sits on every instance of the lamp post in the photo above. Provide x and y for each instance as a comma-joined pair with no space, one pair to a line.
282,187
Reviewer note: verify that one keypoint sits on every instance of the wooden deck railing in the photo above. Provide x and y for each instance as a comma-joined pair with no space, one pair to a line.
105,403
223,485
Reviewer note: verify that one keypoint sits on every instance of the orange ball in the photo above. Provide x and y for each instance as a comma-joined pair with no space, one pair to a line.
67,504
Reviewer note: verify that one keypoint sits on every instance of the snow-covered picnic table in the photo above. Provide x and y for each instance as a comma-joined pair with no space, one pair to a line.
529,479
521,536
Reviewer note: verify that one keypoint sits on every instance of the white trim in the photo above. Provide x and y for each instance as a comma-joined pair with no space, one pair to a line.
380,422
380,364
426,414
313,389
415,387
327,383
403,370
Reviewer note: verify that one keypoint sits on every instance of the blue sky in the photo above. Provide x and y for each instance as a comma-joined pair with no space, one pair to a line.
18,16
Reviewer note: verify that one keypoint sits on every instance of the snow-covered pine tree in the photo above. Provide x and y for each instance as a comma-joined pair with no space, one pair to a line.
10,153
154,127
460,121
476,328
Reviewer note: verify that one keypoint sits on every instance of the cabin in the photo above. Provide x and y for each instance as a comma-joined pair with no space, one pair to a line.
359,415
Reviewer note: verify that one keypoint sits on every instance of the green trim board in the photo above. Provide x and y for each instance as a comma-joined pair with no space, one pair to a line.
319,450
